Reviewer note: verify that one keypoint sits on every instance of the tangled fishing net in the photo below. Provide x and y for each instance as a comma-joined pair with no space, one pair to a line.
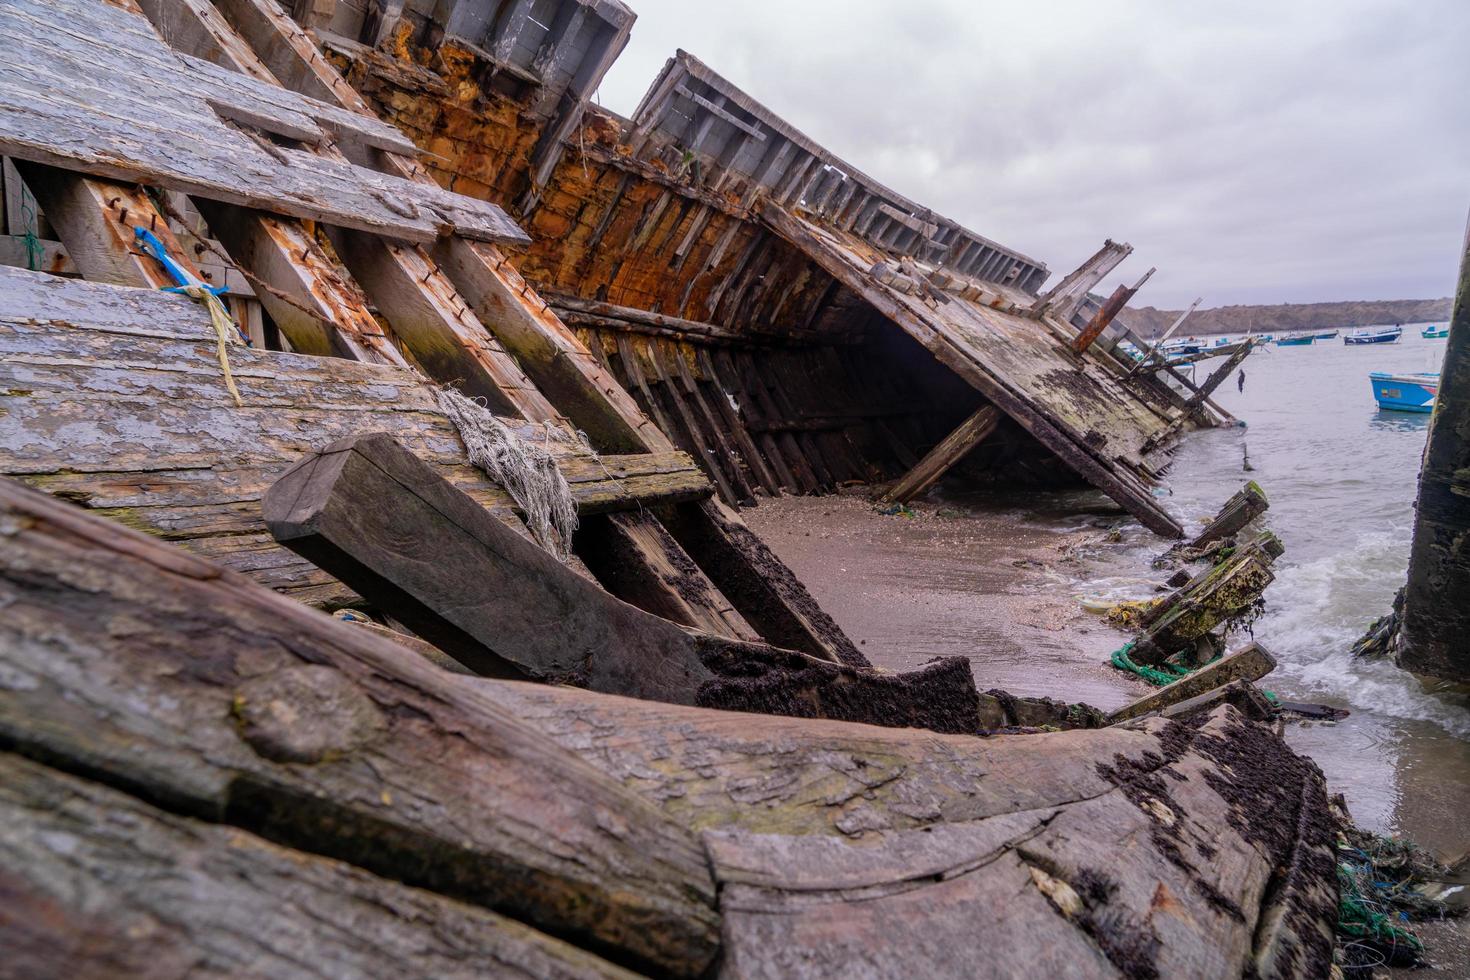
526,471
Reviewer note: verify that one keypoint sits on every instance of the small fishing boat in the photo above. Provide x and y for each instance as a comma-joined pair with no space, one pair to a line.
1374,335
1433,332
1325,335
1187,346
1221,341
1294,340
1405,392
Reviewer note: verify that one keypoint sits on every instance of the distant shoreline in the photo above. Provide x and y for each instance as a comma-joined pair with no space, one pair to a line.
1285,317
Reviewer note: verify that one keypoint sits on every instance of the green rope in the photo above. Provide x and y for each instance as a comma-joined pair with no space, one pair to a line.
35,251
1158,677
1358,916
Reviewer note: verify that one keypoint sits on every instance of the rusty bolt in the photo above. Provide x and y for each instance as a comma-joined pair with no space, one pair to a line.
123,218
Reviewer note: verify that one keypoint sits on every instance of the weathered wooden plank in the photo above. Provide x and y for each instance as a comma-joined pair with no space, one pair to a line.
950,450
99,882
110,125
1223,592
638,561
225,700
281,253
824,835
288,52
437,326
1248,503
1250,663
95,221
550,353
223,87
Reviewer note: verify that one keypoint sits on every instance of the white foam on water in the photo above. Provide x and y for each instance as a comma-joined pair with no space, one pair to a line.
1315,612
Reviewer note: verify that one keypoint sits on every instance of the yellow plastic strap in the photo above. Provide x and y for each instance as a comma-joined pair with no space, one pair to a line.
224,329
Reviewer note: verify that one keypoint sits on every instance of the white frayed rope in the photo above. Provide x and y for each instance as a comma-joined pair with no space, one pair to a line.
526,471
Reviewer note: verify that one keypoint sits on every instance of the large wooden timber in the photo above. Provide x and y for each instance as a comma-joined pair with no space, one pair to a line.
1151,849
113,398
90,86
1250,663
164,675
99,883
951,449
827,835
389,525
1075,407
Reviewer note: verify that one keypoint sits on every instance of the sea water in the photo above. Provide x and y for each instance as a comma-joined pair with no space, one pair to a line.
1341,477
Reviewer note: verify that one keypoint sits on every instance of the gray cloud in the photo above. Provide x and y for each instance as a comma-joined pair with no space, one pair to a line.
1256,152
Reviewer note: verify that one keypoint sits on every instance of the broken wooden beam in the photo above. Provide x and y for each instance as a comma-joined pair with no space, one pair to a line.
666,582
370,512
1218,376
1106,313
1248,503
951,449
1219,595
1250,663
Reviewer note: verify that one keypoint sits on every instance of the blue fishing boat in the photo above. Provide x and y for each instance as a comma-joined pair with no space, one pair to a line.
1324,335
1176,347
1374,335
1433,332
1405,392
1294,340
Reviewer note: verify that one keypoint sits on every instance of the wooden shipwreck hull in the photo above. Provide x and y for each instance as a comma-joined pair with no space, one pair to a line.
202,774
711,255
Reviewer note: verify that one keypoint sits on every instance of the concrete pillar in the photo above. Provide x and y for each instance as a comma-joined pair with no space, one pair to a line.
1434,638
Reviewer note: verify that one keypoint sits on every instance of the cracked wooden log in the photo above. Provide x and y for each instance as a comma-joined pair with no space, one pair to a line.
372,513
1250,663
100,883
1223,593
1151,849
159,673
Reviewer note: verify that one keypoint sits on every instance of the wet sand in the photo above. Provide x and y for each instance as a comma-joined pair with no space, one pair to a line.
988,583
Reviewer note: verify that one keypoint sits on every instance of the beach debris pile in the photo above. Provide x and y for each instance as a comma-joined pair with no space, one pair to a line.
1386,885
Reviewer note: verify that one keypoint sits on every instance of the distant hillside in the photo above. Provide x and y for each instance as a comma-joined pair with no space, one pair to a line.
1147,321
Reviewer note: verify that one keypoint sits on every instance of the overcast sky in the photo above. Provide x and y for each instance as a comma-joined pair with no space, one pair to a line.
1284,151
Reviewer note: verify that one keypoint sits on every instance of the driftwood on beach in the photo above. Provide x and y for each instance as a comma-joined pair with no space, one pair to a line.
661,837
